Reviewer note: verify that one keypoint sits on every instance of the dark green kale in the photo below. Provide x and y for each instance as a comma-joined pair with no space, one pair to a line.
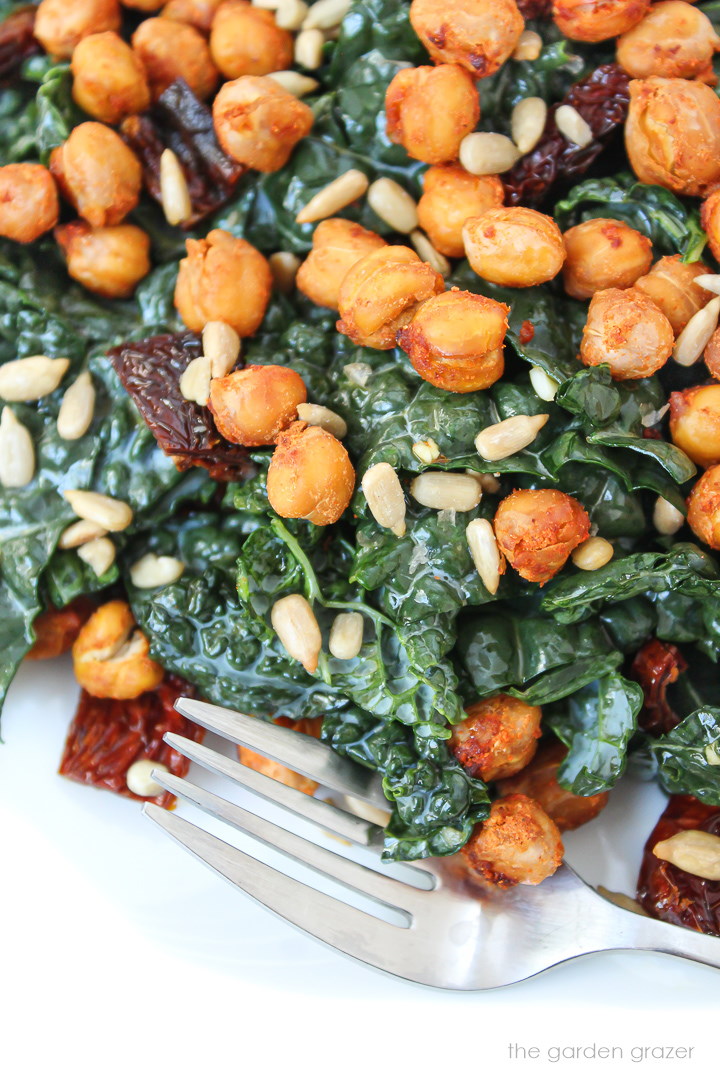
688,757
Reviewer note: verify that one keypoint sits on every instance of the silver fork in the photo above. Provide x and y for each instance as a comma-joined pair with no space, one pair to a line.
458,934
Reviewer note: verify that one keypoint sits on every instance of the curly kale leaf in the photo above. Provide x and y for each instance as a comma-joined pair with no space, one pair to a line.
688,757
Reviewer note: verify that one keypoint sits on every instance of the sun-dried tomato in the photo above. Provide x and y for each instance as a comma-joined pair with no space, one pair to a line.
55,631
671,894
107,736
17,41
656,666
527,332
535,9
150,371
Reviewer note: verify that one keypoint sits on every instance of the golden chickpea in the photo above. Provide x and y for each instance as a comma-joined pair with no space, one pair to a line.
498,738
601,254
170,50
310,475
672,134
704,508
274,769
513,245
143,5
537,530
454,341
517,845
252,406
246,40
674,40
223,278
108,261
337,245
710,221
198,13
712,355
414,119
60,25
111,657
671,286
28,202
98,173
450,196
538,781
380,294
108,79
479,34
695,423
597,20
258,123
626,330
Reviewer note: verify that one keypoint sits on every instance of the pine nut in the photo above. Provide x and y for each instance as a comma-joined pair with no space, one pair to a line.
501,440
294,622
485,553
284,266
113,514
295,83
195,381
174,191
593,553
544,386
151,571
527,123
339,193
80,532
428,253
359,373
346,635
221,345
393,204
324,14
621,900
426,451
77,408
140,782
98,554
529,46
31,378
485,153
693,851
711,755
17,453
446,491
667,519
650,419
711,282
486,480
291,14
319,416
571,124
364,810
269,5
309,45
386,501
690,343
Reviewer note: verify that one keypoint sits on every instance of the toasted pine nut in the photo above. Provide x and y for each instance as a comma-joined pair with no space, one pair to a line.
386,501
195,381
426,451
711,755
342,191
393,204
151,571
98,554
269,5
77,408
428,253
221,345
309,49
711,282
294,622
324,14
527,123
31,378
140,782
693,851
529,46
80,532
486,480
446,491
291,14
650,419
174,191
319,416
113,514
501,440
484,153
17,453
295,83
346,635
358,373
667,519
593,553
573,126
485,553
544,386
364,810
690,342
621,900
284,266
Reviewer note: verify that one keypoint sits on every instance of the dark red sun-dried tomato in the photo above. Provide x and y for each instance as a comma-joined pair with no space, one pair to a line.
656,666
671,894
107,736
527,332
17,41
535,9
55,631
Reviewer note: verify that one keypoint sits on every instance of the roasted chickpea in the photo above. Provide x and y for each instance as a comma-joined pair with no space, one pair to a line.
517,845
246,40
55,631
252,406
601,254
597,20
98,173
109,261
337,245
537,530
111,657
108,79
143,5
538,781
60,25
310,475
223,278
674,40
626,330
513,245
704,508
454,341
273,769
498,738
671,286
198,13
170,50
258,123
672,134
710,220
28,202
451,195
695,423
414,119
479,34
712,355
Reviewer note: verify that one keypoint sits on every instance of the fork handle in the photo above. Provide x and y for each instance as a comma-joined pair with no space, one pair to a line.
631,931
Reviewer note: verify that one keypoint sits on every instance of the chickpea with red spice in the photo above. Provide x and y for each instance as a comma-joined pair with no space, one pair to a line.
310,475
98,173
627,331
172,50
225,279
497,738
672,286
198,13
695,423
109,79
258,123
450,196
704,508
110,261
673,40
337,245
246,40
514,246
597,20
601,254
538,781
537,531
413,119
252,406
29,203
518,844
60,25
479,34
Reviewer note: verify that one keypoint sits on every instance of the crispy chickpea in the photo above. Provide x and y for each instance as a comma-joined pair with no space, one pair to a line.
245,40
710,221
672,134
451,195
143,5
712,355
671,286
28,202
98,173
337,245
538,781
274,769
454,341
111,657
252,406
626,330
597,20
704,508
414,120
695,423
258,123
108,79
310,475
479,34
513,245
674,40
498,738
60,25
170,50
517,845
601,254
537,530
109,261
223,278
198,13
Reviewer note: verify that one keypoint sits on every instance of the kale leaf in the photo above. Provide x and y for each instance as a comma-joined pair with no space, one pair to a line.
688,757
